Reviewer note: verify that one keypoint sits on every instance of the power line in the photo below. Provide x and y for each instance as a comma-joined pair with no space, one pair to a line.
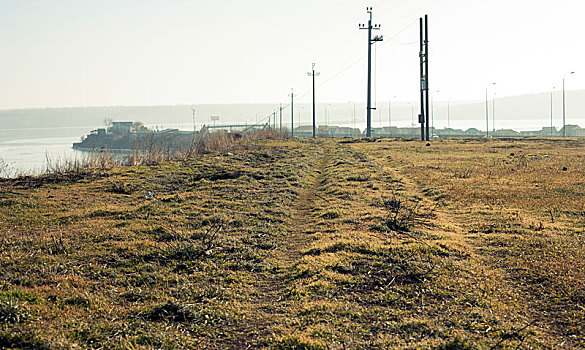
357,60
346,68
392,8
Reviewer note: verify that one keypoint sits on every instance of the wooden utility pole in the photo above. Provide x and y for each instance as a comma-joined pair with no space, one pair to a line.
424,116
314,74
427,76
371,41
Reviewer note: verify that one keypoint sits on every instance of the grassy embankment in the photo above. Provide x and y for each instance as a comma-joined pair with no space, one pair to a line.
293,244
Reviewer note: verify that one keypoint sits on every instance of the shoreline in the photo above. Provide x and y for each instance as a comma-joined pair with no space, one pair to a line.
93,150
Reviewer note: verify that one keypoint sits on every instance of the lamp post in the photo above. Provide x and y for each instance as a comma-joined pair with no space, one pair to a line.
564,123
433,111
353,118
494,114
487,114
390,112
350,133
449,113
551,111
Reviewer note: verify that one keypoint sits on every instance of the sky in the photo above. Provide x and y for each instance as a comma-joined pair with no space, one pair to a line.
68,53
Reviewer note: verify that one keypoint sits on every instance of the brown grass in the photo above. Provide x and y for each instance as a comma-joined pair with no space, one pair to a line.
265,242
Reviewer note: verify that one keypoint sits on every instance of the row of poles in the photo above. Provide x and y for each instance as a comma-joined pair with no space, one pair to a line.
425,99
424,71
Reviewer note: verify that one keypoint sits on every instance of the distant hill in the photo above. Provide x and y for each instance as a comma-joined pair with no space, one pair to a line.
518,112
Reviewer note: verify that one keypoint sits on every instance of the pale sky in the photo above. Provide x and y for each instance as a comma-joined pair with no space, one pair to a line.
65,53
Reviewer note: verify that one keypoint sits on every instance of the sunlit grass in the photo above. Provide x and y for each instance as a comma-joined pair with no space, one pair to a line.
279,243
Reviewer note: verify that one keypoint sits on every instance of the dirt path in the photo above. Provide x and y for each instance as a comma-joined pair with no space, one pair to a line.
505,297
269,298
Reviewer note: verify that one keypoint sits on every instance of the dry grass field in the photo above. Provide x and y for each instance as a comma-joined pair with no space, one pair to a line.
303,244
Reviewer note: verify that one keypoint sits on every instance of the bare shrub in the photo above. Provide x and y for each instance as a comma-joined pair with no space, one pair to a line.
148,154
11,311
401,214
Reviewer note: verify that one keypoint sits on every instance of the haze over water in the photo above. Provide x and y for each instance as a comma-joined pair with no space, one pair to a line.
29,137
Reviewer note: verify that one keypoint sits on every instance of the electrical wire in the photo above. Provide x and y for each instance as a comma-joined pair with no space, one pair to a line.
392,8
353,63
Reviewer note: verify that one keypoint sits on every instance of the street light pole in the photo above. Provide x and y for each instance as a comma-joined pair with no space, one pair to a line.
494,114
487,124
564,121
389,113
449,113
433,111
487,114
292,113
353,118
551,111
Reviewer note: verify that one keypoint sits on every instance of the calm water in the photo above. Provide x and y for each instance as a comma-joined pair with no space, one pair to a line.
28,137
29,156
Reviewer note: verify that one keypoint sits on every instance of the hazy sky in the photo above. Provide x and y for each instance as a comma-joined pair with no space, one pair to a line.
149,52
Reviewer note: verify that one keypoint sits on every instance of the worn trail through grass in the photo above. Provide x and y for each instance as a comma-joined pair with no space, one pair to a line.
302,244
503,240
269,305
486,275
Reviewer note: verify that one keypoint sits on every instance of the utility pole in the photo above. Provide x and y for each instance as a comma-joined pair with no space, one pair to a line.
193,110
371,41
280,122
421,116
427,74
424,116
313,74
292,112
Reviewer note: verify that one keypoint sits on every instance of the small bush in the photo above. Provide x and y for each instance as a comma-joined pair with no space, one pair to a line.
170,312
296,344
11,311
401,214
119,188
78,301
332,214
456,344
11,340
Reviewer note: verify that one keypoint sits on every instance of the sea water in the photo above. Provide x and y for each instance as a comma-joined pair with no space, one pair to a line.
30,140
